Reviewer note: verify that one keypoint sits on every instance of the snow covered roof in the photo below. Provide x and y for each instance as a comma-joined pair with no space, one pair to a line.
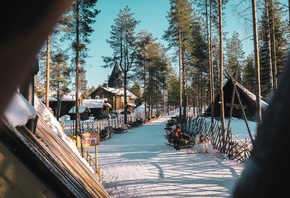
120,92
95,103
82,109
19,111
71,96
58,167
252,95
247,98
131,104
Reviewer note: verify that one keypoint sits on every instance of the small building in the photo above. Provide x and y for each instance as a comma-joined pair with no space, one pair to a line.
62,107
248,102
98,107
84,112
115,96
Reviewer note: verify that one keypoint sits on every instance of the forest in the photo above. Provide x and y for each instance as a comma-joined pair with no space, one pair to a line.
202,51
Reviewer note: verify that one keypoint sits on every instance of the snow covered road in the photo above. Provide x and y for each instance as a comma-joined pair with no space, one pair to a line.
139,164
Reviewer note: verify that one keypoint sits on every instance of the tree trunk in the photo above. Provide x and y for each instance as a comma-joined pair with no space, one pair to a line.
222,113
211,69
145,89
125,98
47,71
257,63
77,113
180,77
274,65
268,34
184,95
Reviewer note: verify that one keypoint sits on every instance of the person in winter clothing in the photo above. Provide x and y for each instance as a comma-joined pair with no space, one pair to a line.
176,134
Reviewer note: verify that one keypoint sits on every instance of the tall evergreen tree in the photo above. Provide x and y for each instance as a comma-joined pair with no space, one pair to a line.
157,73
198,62
144,42
178,35
78,26
52,46
59,73
173,90
122,41
136,89
248,74
273,44
151,69
234,56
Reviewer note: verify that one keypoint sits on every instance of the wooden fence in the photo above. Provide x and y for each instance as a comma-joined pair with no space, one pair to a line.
236,149
94,126
97,125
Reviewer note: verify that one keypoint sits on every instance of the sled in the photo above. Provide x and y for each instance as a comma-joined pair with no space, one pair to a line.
184,142
105,133
119,130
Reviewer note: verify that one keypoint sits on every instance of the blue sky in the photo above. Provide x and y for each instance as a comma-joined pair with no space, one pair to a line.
152,16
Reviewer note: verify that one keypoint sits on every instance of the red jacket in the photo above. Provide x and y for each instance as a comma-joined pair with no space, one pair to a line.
176,132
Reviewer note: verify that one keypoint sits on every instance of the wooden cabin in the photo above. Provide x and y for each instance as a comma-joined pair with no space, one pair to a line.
247,105
84,113
115,96
98,107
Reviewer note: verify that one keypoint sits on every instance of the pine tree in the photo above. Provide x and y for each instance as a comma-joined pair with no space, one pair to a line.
136,89
234,56
59,73
198,70
122,41
78,26
157,76
173,90
273,45
151,70
141,70
178,35
248,74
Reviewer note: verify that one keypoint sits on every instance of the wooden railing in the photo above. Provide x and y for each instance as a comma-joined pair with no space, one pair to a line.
97,125
235,148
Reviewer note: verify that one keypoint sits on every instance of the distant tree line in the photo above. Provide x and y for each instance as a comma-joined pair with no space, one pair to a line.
184,73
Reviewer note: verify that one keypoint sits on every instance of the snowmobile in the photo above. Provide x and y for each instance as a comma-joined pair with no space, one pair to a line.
137,122
171,122
120,129
105,133
185,141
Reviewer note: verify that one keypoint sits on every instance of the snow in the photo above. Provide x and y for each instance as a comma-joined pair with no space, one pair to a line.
139,163
239,128
19,111
56,127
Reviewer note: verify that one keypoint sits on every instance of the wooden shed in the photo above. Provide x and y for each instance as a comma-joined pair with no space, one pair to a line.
115,96
97,106
84,112
248,102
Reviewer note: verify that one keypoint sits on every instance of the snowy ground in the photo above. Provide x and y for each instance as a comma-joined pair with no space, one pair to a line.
140,164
